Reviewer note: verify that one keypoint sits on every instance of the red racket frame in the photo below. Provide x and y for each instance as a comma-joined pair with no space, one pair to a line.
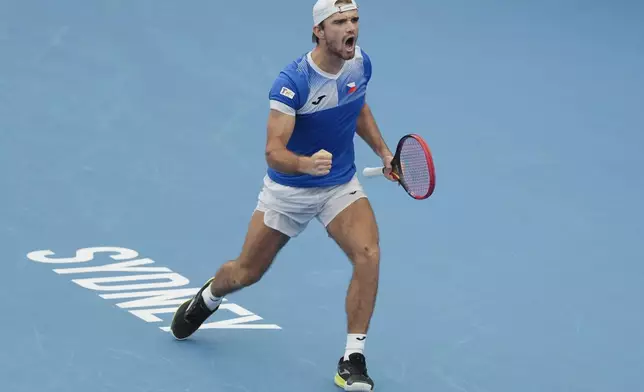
428,158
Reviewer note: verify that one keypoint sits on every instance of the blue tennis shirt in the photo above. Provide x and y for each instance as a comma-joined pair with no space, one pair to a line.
326,107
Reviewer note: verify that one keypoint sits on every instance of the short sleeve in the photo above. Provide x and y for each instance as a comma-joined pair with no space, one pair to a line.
284,95
366,63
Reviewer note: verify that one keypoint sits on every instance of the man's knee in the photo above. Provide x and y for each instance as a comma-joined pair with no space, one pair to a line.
367,256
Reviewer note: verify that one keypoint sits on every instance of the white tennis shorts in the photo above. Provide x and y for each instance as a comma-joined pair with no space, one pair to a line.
289,210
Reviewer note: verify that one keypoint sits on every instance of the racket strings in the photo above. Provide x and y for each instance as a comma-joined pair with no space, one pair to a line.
415,172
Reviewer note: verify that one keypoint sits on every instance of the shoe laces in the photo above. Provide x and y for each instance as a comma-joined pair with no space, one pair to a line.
358,361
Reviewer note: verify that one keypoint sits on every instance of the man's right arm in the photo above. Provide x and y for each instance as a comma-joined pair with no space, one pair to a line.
279,158
279,130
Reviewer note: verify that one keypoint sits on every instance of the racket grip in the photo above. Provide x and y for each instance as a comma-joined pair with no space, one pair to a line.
372,171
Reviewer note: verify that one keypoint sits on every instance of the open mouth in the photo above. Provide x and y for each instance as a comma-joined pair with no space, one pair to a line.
349,43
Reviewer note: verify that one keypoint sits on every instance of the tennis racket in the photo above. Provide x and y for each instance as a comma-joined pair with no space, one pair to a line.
412,166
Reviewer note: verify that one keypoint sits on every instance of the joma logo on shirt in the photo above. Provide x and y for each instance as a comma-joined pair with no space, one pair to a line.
317,101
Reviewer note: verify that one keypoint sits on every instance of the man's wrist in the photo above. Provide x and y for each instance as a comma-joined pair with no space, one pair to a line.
301,164
385,152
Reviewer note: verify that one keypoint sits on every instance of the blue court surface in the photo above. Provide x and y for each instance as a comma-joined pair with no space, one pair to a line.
131,154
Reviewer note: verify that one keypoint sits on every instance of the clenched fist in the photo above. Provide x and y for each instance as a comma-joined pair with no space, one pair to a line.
318,164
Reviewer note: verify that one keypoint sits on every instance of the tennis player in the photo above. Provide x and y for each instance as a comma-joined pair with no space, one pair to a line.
317,105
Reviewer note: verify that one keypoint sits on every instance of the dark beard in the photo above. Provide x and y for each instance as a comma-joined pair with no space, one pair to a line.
338,50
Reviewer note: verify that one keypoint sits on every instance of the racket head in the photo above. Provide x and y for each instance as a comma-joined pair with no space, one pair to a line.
413,166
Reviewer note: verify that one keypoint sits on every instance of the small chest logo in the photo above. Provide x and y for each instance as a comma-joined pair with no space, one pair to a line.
352,87
318,100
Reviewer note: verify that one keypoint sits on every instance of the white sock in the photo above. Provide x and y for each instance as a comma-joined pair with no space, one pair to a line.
355,344
211,301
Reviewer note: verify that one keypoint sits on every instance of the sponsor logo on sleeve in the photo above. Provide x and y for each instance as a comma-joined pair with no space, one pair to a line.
287,92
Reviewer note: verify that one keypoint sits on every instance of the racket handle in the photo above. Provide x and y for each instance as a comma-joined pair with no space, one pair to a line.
372,171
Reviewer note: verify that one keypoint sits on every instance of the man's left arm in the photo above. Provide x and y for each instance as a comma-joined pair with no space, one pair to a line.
368,130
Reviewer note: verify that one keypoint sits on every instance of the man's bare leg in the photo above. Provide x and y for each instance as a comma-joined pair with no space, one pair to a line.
356,232
260,248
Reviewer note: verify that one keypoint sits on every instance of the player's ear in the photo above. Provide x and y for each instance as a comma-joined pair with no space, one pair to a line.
318,31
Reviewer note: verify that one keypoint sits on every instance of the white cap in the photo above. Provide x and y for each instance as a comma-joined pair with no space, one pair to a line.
325,8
